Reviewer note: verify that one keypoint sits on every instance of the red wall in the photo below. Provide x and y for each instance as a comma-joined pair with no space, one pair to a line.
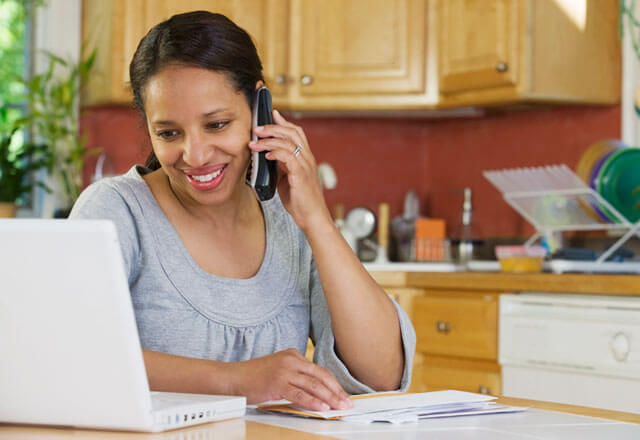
379,160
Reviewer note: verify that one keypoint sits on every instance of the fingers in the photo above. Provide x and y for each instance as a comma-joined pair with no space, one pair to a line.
313,386
313,390
325,376
271,144
279,119
284,129
282,151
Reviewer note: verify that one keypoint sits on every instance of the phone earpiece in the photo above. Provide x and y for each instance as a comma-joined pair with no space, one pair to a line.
262,174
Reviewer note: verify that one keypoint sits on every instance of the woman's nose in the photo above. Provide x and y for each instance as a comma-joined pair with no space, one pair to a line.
196,151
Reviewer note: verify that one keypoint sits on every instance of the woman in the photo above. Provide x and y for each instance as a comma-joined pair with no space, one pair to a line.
227,289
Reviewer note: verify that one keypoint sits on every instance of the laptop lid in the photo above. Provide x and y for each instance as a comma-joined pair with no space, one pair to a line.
68,340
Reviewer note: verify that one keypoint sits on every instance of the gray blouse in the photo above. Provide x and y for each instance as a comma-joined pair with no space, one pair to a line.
182,310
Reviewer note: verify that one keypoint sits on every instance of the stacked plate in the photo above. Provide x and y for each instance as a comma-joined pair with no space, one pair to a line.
613,170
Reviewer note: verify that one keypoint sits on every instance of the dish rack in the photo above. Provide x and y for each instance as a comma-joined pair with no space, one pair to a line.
554,199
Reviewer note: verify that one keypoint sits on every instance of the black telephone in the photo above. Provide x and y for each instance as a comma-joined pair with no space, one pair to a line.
262,174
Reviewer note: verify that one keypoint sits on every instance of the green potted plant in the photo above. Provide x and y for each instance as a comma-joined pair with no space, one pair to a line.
53,117
18,162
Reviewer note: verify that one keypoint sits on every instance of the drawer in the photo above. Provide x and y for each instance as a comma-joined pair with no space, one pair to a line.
404,296
458,324
439,373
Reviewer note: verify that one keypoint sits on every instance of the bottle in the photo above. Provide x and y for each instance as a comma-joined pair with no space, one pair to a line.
467,234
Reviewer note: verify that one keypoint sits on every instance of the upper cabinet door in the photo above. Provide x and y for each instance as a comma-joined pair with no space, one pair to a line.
478,44
359,47
115,28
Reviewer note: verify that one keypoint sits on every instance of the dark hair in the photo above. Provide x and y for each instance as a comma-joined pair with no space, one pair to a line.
201,39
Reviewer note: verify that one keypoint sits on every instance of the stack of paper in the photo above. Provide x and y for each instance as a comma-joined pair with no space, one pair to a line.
404,408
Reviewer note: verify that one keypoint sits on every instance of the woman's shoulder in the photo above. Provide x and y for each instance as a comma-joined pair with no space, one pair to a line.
281,224
110,193
277,212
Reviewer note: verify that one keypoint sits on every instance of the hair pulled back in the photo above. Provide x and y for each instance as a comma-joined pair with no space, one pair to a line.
201,39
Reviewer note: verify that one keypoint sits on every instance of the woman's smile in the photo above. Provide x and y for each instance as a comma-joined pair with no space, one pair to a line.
206,178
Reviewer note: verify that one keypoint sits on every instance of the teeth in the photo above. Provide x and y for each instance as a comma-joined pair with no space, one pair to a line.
207,177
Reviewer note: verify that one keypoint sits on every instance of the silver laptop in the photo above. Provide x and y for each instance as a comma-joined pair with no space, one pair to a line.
69,348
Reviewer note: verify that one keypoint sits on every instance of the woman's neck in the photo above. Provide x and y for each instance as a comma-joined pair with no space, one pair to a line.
240,208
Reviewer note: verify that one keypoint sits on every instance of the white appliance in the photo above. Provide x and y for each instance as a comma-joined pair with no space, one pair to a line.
574,349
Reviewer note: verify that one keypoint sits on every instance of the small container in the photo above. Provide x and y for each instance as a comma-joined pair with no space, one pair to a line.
521,259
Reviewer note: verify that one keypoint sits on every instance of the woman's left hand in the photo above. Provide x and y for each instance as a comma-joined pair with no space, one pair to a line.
298,183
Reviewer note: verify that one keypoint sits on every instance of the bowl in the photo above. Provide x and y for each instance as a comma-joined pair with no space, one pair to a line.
521,259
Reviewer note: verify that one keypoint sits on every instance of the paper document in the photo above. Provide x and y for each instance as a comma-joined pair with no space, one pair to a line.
403,408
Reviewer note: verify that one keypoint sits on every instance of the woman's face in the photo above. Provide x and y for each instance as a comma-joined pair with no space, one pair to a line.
199,127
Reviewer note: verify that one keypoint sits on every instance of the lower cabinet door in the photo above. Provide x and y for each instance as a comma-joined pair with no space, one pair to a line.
433,373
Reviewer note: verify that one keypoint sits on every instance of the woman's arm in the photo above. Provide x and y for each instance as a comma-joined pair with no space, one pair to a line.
283,375
364,320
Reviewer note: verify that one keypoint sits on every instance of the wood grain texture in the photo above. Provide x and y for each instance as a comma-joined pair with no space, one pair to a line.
452,323
448,373
504,282
360,54
553,52
474,37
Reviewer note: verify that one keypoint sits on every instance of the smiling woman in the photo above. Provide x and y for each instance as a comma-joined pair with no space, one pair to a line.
227,289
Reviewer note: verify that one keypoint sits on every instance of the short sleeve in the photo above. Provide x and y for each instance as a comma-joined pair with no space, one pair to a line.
102,201
323,339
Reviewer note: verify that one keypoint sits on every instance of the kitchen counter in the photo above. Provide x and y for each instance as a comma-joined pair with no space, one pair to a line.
510,282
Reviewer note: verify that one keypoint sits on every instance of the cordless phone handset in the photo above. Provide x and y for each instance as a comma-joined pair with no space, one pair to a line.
262,174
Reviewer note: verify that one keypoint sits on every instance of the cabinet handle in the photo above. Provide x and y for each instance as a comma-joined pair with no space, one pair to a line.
484,390
443,327
502,67
281,79
306,80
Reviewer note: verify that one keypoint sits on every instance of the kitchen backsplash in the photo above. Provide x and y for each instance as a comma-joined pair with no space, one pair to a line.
379,160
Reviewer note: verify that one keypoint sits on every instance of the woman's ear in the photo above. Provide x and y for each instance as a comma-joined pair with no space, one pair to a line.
259,84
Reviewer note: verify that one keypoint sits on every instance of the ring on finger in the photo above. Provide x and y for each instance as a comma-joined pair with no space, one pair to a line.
297,150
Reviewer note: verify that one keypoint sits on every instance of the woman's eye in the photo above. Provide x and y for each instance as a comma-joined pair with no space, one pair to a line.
167,134
217,125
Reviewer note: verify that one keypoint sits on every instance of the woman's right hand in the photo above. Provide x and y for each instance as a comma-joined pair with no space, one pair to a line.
289,375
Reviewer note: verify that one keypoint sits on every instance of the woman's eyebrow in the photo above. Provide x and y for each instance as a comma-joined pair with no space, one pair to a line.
162,122
214,112
205,115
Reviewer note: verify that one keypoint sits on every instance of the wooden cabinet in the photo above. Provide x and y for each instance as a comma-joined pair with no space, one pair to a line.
511,51
433,373
334,55
450,323
115,28
478,44
457,341
456,337
317,55
357,54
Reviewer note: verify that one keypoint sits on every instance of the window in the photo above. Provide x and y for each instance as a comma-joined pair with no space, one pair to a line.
15,30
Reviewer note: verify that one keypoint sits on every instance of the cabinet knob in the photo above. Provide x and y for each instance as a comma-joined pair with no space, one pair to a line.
443,327
502,67
281,79
620,346
306,80
484,390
